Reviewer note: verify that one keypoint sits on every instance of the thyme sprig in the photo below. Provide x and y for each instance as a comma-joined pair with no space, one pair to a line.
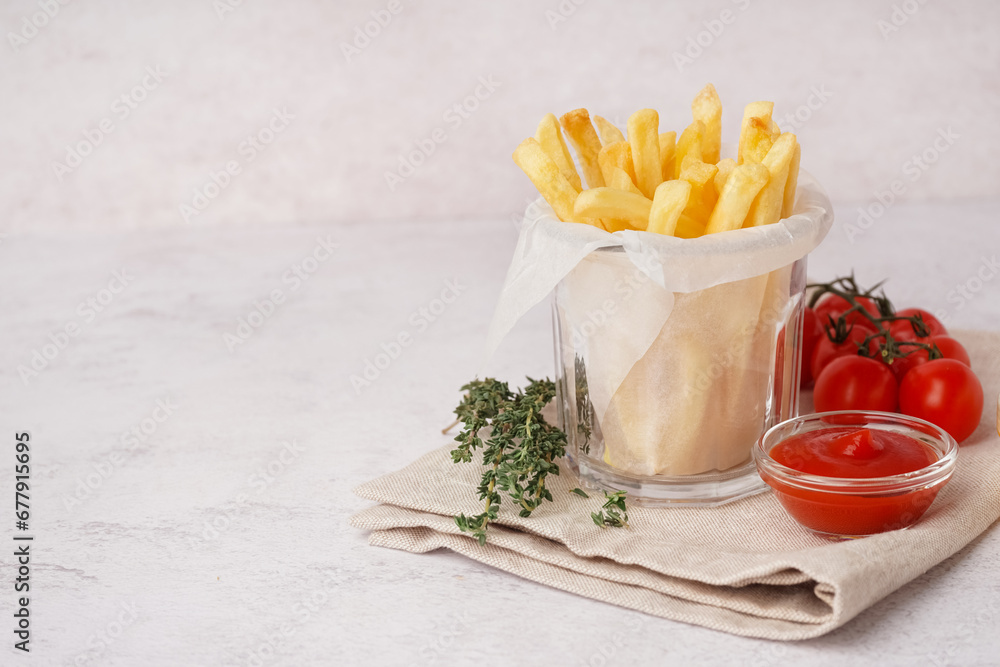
519,452
613,512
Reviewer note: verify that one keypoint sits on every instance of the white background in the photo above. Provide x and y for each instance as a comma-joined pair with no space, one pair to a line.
889,90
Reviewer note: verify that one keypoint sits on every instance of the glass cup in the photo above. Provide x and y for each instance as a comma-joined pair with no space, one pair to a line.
676,427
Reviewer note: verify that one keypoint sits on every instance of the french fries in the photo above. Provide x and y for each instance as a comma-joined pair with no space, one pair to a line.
615,160
736,198
766,208
701,177
668,203
775,131
551,140
659,182
755,129
707,107
644,138
756,141
550,181
609,133
668,147
689,144
620,225
689,228
612,203
726,166
617,154
618,179
587,144
791,184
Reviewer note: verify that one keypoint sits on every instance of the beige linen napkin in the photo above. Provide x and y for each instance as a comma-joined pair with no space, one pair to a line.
744,568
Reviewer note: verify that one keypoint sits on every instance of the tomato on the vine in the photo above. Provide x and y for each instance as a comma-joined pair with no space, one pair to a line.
856,383
903,329
834,306
812,331
944,392
826,350
948,346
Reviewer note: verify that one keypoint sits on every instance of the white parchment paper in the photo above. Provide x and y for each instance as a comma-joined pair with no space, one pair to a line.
548,249
701,315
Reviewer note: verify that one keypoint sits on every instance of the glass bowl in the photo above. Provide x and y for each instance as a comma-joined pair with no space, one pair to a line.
843,508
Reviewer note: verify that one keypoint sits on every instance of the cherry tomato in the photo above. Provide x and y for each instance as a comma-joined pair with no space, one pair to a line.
945,392
856,383
826,350
812,332
949,347
834,306
903,330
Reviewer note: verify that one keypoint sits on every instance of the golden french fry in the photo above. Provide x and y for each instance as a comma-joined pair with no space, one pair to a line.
587,144
788,201
617,154
762,126
701,176
738,194
696,171
668,203
707,107
615,160
726,166
644,138
689,143
766,208
620,225
668,146
550,181
756,141
609,133
550,137
611,156
615,177
689,228
614,204
775,131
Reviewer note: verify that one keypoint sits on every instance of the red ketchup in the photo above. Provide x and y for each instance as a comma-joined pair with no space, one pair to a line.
852,453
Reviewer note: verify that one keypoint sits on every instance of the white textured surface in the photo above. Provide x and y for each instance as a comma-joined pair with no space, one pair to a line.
887,98
285,558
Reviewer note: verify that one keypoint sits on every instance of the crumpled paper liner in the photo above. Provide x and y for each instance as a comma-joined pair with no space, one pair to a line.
650,314
697,399
745,568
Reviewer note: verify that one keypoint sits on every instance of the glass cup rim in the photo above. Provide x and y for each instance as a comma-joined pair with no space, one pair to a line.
946,447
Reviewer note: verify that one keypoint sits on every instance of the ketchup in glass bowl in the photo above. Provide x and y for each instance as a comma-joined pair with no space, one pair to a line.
854,473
